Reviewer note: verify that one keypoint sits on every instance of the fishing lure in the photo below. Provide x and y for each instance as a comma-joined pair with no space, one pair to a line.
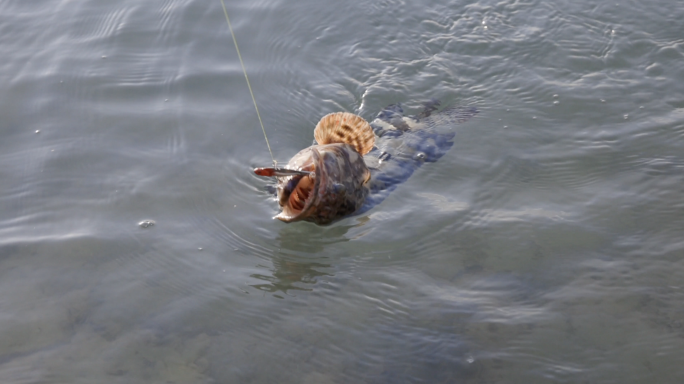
355,165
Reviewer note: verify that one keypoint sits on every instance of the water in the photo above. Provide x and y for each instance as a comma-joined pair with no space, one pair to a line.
546,246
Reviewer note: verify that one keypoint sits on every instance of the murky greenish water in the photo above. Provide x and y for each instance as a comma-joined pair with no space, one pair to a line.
545,247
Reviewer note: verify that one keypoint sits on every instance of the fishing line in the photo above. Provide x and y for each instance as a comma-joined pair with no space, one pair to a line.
225,12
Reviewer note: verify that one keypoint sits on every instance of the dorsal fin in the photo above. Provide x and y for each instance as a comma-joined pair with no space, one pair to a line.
347,128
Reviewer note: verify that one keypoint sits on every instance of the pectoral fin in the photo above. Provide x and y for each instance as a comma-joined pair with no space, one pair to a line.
347,128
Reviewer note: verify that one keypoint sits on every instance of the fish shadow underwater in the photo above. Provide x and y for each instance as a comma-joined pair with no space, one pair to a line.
355,165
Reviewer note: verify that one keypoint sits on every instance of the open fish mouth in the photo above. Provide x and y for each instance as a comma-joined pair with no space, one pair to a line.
297,184
296,197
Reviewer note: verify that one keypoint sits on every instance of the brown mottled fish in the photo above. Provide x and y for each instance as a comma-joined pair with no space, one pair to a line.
351,169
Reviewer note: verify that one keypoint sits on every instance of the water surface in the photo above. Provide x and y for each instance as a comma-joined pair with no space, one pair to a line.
546,246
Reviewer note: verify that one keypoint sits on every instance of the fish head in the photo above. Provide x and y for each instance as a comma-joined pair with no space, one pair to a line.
336,185
330,180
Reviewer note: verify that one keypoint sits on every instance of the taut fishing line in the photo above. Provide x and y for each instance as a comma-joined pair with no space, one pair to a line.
225,12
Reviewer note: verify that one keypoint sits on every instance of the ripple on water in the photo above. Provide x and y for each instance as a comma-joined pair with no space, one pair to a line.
88,27
548,251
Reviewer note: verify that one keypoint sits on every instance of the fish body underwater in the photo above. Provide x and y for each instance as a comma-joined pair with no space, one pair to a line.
356,165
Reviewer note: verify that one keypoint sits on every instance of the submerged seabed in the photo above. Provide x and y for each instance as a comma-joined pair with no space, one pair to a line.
545,246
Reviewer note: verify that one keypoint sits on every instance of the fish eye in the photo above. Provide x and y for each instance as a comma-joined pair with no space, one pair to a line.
420,156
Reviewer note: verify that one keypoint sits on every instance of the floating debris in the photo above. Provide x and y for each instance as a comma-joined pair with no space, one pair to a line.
146,223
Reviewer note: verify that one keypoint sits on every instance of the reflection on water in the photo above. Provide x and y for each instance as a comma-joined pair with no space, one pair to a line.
310,238
297,262
287,274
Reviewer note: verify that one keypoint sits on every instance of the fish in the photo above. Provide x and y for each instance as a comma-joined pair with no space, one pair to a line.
354,165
